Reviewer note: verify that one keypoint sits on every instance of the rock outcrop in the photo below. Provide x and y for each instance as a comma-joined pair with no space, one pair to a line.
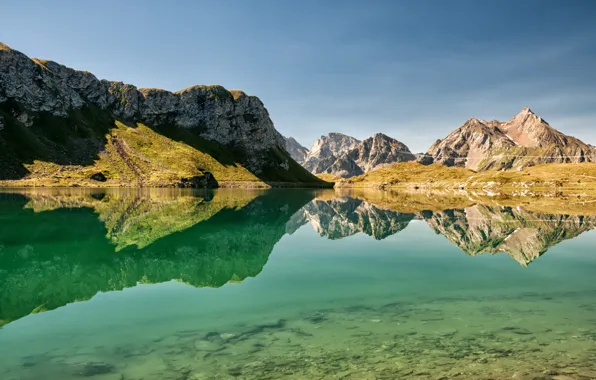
38,94
297,151
345,156
523,141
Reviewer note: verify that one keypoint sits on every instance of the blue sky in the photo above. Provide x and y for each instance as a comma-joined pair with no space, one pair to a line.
414,70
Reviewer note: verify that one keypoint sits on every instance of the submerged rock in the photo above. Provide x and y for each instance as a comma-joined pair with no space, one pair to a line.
208,346
94,368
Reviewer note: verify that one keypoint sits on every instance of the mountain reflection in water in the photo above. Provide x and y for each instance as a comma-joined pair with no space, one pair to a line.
290,284
62,246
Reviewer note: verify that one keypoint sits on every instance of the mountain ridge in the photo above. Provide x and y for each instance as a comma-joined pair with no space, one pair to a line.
345,156
54,114
525,140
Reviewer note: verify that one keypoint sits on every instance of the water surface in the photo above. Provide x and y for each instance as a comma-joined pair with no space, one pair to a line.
290,284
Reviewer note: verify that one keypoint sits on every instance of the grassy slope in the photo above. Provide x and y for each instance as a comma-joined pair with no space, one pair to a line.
328,177
576,178
409,172
68,151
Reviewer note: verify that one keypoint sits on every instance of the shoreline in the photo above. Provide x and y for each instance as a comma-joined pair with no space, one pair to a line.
5,184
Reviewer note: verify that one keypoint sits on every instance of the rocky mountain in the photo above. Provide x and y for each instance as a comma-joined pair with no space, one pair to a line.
379,151
345,156
297,151
55,119
525,140
325,151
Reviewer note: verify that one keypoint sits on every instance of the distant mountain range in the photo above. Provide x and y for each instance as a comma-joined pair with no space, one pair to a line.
345,156
525,140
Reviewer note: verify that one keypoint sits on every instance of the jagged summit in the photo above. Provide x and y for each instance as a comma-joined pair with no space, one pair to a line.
346,156
525,140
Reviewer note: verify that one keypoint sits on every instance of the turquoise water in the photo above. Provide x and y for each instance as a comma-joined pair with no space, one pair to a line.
290,285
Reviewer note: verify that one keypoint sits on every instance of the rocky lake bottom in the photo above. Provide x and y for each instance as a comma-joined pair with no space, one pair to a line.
294,290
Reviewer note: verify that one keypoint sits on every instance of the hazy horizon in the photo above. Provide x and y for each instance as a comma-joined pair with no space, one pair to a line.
412,70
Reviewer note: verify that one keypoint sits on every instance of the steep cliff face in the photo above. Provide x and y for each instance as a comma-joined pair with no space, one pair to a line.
345,156
54,113
297,151
525,140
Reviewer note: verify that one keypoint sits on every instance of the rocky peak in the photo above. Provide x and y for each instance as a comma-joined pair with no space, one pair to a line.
326,150
467,145
481,145
334,143
379,151
529,130
297,151
346,156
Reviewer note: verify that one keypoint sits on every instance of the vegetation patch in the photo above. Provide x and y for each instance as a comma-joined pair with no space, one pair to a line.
552,179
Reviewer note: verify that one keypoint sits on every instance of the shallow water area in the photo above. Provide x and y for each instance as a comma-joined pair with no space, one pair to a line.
290,284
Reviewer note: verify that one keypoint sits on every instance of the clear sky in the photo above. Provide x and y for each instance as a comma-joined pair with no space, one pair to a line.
414,70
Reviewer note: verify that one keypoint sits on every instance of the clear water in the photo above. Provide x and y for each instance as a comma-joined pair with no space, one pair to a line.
168,284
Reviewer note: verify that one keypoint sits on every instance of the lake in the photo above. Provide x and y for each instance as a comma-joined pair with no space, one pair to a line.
291,284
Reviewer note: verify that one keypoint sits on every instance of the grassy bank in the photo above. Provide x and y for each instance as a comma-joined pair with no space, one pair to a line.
553,179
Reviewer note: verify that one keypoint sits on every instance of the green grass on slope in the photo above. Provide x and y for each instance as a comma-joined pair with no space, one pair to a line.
57,151
411,172
580,176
